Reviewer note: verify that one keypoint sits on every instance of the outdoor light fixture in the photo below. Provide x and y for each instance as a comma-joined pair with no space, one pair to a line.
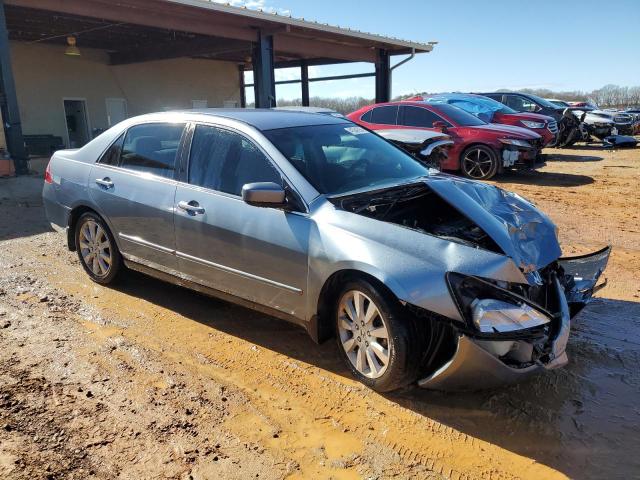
71,49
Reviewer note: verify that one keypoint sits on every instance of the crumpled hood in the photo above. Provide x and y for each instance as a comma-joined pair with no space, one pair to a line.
510,130
523,232
535,117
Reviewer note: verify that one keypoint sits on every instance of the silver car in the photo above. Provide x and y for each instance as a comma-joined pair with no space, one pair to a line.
418,275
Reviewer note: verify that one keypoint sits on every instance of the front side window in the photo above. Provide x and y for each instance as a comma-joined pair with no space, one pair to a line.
152,148
418,117
386,115
339,158
520,104
225,161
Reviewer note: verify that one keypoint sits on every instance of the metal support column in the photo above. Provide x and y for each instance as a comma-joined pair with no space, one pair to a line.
243,93
263,72
383,76
9,101
304,82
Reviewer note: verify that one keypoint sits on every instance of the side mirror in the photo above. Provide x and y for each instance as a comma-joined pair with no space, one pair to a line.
438,125
263,194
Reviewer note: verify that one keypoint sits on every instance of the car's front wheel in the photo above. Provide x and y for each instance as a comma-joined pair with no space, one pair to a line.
97,250
479,162
378,344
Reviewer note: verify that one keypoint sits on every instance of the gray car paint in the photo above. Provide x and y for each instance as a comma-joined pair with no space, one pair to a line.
282,259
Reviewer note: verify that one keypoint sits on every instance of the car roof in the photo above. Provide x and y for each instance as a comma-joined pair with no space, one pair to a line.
268,119
295,108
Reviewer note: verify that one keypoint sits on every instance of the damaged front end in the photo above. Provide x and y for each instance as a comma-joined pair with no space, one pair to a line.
505,331
430,148
514,330
520,154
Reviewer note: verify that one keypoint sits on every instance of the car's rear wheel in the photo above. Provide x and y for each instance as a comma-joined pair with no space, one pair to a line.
97,250
479,162
378,344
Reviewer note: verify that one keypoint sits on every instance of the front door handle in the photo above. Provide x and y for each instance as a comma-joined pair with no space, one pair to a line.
104,182
192,207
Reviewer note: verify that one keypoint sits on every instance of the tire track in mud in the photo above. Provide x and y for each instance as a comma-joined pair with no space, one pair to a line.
420,443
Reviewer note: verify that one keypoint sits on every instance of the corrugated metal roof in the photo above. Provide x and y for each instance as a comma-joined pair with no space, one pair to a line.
291,21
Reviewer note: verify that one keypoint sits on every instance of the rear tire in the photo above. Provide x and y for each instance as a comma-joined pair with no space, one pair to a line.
479,162
97,249
380,346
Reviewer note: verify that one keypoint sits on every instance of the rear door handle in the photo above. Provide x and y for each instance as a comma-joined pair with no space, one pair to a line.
192,207
104,182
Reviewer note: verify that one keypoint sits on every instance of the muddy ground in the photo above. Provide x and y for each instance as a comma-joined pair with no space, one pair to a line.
147,380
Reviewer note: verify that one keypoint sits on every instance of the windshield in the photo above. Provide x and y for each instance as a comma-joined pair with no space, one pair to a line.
339,158
542,101
482,107
457,115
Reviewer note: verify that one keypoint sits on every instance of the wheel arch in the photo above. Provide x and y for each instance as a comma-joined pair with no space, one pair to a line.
477,143
320,326
74,215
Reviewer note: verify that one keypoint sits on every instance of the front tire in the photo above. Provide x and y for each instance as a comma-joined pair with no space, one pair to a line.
97,249
479,162
379,345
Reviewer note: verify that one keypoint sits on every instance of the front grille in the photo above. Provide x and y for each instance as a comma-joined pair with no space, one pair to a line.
622,119
553,127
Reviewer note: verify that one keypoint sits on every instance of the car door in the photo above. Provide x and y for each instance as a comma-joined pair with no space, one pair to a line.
255,253
134,187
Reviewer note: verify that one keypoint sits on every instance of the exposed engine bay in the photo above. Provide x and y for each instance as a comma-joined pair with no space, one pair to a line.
419,208
430,148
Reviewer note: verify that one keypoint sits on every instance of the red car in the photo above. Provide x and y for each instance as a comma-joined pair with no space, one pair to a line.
480,149
492,111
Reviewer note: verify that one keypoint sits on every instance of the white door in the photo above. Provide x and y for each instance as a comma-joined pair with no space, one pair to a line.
116,110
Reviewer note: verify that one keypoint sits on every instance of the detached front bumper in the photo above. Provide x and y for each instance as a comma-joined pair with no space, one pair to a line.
519,157
474,367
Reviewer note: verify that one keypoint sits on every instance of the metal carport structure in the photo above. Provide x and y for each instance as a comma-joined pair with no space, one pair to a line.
134,31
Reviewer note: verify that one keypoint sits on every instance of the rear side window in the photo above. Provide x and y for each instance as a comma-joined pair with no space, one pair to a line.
418,117
112,155
366,117
152,148
385,115
495,96
225,161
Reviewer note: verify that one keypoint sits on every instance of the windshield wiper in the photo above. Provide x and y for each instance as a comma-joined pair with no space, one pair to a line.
393,195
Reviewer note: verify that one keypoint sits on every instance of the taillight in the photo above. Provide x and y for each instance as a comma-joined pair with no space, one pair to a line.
48,178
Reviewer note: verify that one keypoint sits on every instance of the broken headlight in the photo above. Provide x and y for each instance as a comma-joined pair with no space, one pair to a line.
490,315
530,124
489,309
515,142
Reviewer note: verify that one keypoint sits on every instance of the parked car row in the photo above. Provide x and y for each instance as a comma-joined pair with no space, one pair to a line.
479,150
492,132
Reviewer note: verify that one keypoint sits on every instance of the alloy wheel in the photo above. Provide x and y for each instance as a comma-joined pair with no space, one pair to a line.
95,248
363,334
477,163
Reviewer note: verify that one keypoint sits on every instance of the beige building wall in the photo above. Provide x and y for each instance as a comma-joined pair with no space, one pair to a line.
44,76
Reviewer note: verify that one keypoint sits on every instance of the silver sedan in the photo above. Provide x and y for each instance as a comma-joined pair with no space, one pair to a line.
419,276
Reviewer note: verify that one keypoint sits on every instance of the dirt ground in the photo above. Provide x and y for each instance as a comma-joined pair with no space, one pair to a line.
148,380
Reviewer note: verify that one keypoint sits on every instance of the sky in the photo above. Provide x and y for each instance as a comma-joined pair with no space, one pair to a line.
483,45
